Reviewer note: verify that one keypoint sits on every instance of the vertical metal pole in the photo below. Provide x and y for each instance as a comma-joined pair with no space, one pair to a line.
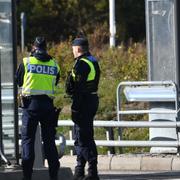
2,156
71,138
1,131
148,40
107,138
177,41
112,23
111,137
177,31
38,162
14,39
22,31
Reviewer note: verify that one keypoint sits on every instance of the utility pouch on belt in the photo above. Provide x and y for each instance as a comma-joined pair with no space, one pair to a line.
56,115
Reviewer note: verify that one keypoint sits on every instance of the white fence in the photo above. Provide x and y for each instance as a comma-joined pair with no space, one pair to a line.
121,143
126,143
109,125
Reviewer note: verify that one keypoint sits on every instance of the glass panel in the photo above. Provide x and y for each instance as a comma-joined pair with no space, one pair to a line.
6,56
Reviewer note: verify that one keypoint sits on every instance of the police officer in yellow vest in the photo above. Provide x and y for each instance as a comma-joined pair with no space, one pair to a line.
38,76
82,85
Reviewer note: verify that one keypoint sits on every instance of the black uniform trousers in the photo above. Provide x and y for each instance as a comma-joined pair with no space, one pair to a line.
38,109
85,146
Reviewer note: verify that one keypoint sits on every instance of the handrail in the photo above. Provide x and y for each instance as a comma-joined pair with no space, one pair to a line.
4,158
130,124
135,94
112,123
129,143
117,143
133,124
145,83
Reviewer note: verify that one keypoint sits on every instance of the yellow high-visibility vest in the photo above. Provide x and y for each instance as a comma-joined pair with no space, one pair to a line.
39,77
92,73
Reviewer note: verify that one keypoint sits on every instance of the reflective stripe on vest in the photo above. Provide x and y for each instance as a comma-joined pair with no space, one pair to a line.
92,73
39,77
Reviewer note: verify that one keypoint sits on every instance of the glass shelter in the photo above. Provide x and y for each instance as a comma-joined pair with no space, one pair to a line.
8,120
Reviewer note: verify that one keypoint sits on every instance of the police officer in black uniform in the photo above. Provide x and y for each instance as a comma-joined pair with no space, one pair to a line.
82,85
38,75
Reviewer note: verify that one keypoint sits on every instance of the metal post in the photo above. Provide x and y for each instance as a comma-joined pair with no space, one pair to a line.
14,39
111,137
119,116
107,138
112,22
1,132
177,31
71,138
38,162
22,31
177,41
2,156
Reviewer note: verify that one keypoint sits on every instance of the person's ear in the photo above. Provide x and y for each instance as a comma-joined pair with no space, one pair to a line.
79,50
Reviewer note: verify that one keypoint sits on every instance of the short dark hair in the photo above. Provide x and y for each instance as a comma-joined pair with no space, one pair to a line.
80,42
84,48
40,42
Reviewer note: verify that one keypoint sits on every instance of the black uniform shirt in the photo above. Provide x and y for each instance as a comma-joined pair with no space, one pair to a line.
81,87
82,70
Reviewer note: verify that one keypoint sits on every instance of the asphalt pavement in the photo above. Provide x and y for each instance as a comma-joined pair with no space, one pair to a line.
139,175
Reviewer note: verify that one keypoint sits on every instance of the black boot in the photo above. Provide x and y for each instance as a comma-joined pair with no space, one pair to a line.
79,173
92,171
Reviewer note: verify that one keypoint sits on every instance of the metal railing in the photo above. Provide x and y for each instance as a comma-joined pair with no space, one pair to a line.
111,124
149,91
122,143
147,84
130,124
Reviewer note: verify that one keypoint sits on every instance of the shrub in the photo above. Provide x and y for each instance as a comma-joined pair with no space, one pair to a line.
117,65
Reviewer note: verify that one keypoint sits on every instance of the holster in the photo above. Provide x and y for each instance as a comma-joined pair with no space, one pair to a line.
23,101
69,85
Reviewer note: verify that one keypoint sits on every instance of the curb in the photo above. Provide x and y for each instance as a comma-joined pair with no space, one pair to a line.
142,162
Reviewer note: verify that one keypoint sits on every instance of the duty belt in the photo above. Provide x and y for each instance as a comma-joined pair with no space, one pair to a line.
37,97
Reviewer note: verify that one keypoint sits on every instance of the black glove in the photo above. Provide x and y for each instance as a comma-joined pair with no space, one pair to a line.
69,86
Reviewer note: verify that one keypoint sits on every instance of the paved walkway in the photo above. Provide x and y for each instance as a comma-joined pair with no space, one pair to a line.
116,167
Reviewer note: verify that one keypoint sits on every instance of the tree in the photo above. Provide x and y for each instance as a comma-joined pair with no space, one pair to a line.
60,19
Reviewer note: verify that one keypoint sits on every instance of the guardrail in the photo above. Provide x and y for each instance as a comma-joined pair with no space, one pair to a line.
130,124
121,143
156,93
110,124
